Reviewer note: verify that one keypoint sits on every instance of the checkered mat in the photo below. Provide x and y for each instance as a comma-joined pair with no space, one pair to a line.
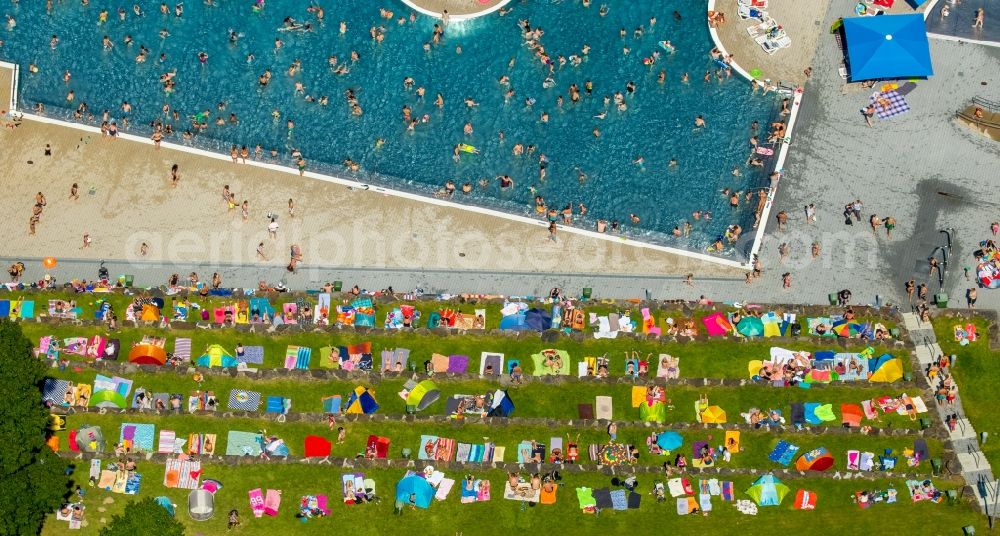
244,400
897,104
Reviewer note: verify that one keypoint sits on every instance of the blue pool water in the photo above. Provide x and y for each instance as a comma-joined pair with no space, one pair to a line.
658,124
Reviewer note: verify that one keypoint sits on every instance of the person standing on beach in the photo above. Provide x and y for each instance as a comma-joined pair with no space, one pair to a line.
175,175
911,287
74,192
86,241
890,224
552,231
291,208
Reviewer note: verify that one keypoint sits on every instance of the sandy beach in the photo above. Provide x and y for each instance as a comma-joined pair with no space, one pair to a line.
800,20
126,199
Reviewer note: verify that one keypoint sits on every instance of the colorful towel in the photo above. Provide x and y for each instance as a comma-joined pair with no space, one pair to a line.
298,357
897,104
182,349
138,437
184,474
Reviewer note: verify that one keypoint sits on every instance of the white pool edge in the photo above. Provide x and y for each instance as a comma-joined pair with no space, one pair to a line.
455,18
542,225
782,152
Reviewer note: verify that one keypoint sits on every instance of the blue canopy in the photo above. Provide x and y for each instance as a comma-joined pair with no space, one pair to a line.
887,46
669,440
418,487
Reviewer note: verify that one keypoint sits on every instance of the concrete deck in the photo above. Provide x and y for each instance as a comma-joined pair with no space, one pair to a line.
458,10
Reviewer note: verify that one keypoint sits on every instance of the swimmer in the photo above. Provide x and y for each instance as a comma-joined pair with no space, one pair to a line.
672,163
635,219
699,122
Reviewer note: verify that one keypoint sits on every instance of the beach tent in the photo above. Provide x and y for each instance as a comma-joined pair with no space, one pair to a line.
751,326
669,440
166,504
90,439
201,505
768,491
216,356
416,486
147,354
502,406
818,459
889,370
886,47
421,395
362,401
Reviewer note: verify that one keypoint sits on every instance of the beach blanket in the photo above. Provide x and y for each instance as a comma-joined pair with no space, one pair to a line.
244,400
603,408
352,486
559,362
458,364
717,324
54,391
897,104
243,444
137,437
199,444
272,501
585,496
252,355
444,488
679,487
783,453
522,492
184,474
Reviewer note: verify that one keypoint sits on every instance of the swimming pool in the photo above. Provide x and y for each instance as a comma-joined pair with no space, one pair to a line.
658,124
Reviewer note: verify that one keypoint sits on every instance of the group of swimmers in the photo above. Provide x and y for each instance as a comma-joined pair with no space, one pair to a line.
533,38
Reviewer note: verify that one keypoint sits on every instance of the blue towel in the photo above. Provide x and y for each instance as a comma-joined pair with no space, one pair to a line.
810,408
619,501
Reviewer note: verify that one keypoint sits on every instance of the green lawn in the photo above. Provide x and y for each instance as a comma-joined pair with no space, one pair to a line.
500,516
977,373
531,399
723,358
756,445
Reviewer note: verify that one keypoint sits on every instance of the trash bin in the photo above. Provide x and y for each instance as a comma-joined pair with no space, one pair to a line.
925,423
936,465
338,285
894,332
968,530
832,297
587,291
129,279
941,299
908,376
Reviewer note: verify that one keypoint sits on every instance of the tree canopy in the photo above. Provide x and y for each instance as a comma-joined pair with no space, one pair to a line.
34,478
144,516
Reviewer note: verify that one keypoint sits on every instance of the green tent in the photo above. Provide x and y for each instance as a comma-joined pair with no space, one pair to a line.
768,491
421,395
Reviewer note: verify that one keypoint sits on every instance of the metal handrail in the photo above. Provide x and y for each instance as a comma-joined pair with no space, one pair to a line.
987,104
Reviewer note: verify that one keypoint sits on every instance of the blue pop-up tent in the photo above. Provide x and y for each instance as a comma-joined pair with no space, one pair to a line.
416,486
887,47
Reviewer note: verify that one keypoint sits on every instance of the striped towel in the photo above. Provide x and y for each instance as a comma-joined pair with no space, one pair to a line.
897,104
182,348
167,438
298,357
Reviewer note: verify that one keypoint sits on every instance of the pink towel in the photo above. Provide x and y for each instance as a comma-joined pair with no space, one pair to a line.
321,504
256,502
272,501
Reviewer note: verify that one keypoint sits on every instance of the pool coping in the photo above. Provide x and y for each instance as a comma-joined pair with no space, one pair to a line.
782,152
341,181
455,18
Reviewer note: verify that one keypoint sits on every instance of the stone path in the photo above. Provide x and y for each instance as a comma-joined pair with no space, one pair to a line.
974,467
